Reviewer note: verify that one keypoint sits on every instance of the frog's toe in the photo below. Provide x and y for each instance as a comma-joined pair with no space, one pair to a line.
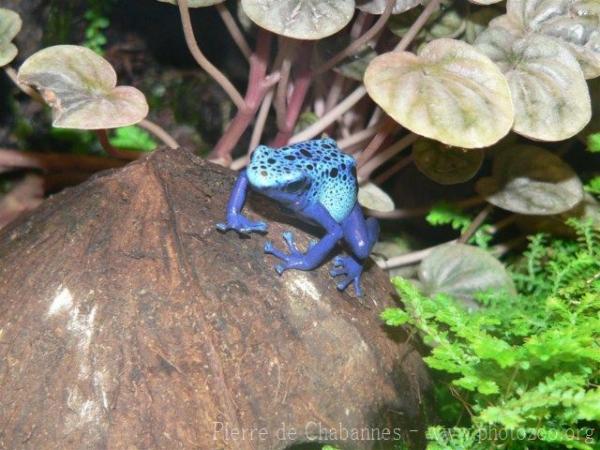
222,227
272,250
346,265
342,285
337,271
280,268
357,288
288,237
339,260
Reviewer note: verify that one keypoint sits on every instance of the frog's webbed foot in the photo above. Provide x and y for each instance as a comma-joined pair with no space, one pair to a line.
243,225
294,260
348,266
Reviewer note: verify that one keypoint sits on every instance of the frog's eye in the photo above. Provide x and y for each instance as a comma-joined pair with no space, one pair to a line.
297,186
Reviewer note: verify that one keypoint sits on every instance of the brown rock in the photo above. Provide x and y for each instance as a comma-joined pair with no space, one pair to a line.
128,322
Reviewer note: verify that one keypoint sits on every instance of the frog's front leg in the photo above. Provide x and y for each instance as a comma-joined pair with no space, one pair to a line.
317,252
235,219
360,235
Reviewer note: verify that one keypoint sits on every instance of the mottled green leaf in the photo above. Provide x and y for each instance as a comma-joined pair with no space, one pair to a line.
530,180
80,86
574,22
587,209
446,165
450,92
300,19
549,92
10,25
462,271
373,197
447,22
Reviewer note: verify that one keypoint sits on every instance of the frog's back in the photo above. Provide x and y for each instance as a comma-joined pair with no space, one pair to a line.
333,174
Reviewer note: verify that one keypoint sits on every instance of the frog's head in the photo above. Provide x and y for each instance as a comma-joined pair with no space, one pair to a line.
278,174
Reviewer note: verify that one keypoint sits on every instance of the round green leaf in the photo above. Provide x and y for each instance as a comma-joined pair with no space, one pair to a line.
462,271
450,24
549,92
593,125
80,86
450,92
373,197
530,180
300,19
587,209
195,3
574,22
446,165
10,25
378,6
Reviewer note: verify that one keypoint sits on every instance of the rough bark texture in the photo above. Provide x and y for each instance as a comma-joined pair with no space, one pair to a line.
128,322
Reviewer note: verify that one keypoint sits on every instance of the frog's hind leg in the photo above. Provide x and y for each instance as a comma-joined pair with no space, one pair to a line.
316,252
360,235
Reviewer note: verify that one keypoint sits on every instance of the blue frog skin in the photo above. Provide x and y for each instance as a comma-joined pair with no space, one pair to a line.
317,181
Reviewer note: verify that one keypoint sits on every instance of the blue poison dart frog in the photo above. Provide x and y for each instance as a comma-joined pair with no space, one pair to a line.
317,181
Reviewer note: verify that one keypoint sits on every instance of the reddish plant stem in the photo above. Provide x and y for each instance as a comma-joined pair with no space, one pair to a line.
286,48
261,120
355,96
210,68
301,85
387,128
357,44
364,171
359,136
416,212
395,168
159,132
234,30
477,222
112,151
256,90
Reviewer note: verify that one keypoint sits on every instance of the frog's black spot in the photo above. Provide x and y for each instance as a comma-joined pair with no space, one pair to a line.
306,153
310,167
271,161
264,173
344,177
343,167
290,157
333,173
